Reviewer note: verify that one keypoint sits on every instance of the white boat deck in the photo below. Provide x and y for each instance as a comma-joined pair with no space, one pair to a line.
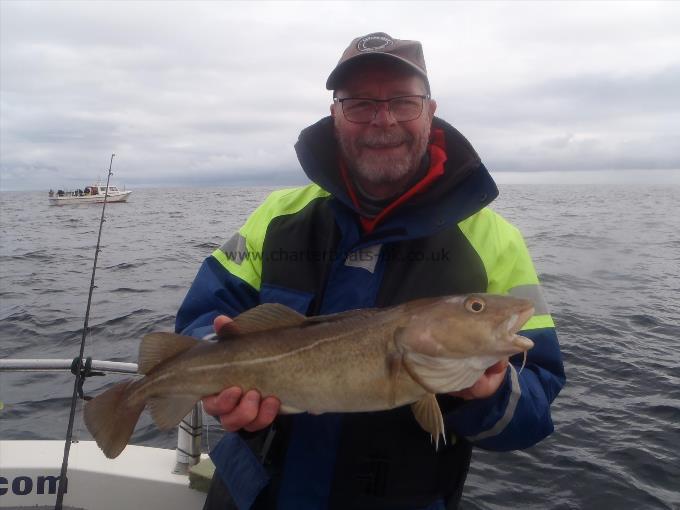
140,478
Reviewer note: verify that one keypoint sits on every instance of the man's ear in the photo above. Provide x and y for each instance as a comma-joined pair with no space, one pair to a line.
333,105
432,108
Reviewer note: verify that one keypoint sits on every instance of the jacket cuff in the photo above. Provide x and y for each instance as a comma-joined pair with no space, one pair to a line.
487,417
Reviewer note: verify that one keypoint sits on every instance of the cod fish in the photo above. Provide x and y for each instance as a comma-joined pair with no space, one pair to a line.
361,360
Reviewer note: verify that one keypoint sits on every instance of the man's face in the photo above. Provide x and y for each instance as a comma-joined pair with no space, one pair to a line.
383,151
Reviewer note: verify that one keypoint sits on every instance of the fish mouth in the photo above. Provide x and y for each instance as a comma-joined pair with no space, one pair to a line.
513,324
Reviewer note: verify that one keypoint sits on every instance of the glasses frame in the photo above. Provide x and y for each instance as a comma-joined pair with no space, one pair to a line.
375,102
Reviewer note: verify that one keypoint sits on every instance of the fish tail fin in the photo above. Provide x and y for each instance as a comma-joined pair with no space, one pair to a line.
111,418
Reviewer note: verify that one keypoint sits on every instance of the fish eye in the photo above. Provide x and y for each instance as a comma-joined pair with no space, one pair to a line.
474,305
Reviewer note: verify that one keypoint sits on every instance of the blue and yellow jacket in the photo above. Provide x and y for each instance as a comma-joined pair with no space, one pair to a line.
305,248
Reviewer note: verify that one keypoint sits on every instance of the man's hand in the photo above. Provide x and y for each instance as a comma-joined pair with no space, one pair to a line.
237,411
487,384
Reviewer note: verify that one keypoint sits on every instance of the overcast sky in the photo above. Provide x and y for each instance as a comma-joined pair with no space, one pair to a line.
198,93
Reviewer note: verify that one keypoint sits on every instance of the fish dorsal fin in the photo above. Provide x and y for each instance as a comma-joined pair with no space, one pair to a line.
262,318
158,347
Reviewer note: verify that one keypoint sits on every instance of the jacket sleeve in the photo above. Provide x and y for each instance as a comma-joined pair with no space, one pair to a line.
518,415
215,291
227,283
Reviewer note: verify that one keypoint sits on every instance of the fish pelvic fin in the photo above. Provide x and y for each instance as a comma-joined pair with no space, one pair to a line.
111,418
429,416
168,410
159,347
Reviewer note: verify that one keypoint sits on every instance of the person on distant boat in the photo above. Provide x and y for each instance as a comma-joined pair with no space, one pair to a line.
397,211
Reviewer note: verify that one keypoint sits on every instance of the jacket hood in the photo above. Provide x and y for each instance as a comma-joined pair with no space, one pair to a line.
466,183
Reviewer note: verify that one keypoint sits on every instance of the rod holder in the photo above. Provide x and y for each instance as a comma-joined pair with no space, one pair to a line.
189,440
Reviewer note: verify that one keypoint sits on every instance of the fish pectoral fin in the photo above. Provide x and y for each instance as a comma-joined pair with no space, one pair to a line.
429,416
262,318
444,375
412,370
168,410
158,347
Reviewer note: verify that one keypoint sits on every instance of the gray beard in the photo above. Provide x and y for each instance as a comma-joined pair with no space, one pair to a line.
381,170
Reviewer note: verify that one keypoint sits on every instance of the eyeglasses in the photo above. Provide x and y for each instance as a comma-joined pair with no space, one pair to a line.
363,110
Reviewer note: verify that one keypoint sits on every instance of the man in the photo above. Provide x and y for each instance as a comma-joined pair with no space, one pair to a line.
397,212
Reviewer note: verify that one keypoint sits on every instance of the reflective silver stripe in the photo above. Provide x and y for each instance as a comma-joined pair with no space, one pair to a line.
515,393
365,258
235,248
533,293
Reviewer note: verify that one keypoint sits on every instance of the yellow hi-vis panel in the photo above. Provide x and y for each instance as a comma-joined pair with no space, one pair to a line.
244,258
509,268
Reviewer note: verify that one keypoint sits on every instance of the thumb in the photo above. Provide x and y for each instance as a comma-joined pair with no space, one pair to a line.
220,322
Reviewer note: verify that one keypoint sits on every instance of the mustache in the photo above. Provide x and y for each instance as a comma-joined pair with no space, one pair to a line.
385,138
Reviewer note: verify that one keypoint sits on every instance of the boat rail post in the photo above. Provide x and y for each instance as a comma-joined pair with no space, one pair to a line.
189,440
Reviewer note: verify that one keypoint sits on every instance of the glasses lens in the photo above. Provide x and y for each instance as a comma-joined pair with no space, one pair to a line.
402,109
358,110
406,108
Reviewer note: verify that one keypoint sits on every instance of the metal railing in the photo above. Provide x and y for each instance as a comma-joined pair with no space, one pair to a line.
58,365
189,431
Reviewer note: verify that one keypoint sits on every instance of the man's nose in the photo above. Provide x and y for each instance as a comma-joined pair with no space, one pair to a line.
383,116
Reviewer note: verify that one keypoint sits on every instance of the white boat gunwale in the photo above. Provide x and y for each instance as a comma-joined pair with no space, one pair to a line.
141,477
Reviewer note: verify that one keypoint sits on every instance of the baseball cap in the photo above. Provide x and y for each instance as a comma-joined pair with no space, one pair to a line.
380,45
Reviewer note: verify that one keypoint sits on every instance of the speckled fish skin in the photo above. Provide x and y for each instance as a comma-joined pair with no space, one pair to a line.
362,360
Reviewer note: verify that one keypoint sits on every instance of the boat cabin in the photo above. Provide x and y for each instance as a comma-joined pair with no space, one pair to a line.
99,190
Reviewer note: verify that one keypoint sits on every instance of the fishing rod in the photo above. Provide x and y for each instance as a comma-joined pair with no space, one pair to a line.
79,363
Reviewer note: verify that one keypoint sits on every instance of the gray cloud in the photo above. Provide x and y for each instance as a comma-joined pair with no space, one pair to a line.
592,121
211,92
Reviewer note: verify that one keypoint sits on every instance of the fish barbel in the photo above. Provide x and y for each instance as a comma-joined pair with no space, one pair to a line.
361,360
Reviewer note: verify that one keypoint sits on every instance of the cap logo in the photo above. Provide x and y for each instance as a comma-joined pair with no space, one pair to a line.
374,43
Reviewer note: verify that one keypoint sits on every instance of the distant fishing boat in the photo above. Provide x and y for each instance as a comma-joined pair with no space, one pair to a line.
91,194
37,473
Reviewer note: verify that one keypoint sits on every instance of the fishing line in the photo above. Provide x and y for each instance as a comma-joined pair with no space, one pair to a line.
79,363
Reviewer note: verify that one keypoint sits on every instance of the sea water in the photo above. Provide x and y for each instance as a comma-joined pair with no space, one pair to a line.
608,257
